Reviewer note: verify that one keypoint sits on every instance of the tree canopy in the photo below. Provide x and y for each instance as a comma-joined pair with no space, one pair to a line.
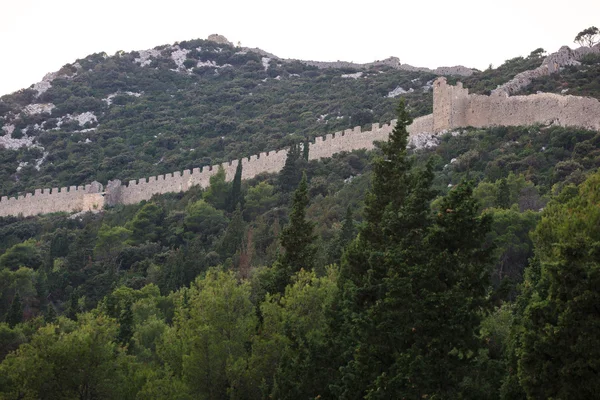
588,37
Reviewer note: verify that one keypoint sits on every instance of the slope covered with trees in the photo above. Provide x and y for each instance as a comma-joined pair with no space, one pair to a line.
465,270
402,287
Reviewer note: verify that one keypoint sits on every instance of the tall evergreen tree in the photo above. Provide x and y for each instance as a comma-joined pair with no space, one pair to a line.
73,308
235,196
290,175
503,194
234,234
51,315
439,303
15,312
125,324
395,222
402,277
297,238
559,354
342,239
305,149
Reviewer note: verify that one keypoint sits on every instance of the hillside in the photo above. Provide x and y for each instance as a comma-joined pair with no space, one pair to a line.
182,106
464,267
195,103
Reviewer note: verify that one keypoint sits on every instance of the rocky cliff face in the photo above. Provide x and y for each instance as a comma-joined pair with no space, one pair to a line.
565,56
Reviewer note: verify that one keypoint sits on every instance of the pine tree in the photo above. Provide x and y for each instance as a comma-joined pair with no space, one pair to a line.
148,224
15,313
297,238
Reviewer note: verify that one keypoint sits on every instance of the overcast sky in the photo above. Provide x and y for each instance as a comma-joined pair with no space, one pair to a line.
39,36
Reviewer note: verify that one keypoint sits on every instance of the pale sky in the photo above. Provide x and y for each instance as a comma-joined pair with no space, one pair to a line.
40,36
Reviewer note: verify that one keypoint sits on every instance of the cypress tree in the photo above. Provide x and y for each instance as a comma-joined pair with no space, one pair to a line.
343,238
73,307
235,196
395,222
125,324
402,278
297,238
15,312
347,232
503,195
290,175
50,314
234,235
305,149
559,343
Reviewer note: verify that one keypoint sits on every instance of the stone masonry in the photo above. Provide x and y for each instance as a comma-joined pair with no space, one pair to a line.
453,107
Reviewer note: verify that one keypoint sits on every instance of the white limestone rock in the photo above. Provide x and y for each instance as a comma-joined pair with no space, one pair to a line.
179,56
109,99
355,75
41,108
265,62
398,91
145,57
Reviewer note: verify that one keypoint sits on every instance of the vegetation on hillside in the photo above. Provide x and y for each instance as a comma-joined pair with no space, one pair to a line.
466,270
580,80
373,278
164,119
485,81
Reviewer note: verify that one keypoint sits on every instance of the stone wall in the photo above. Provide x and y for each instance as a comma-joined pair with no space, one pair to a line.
92,197
453,107
266,162
43,201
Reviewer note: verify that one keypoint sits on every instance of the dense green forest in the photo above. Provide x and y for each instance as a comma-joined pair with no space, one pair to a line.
461,271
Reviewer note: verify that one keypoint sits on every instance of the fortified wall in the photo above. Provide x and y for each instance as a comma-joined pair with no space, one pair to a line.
88,197
453,107
94,196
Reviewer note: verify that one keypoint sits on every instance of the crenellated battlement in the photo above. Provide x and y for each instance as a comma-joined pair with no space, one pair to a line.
453,107
91,197
42,201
